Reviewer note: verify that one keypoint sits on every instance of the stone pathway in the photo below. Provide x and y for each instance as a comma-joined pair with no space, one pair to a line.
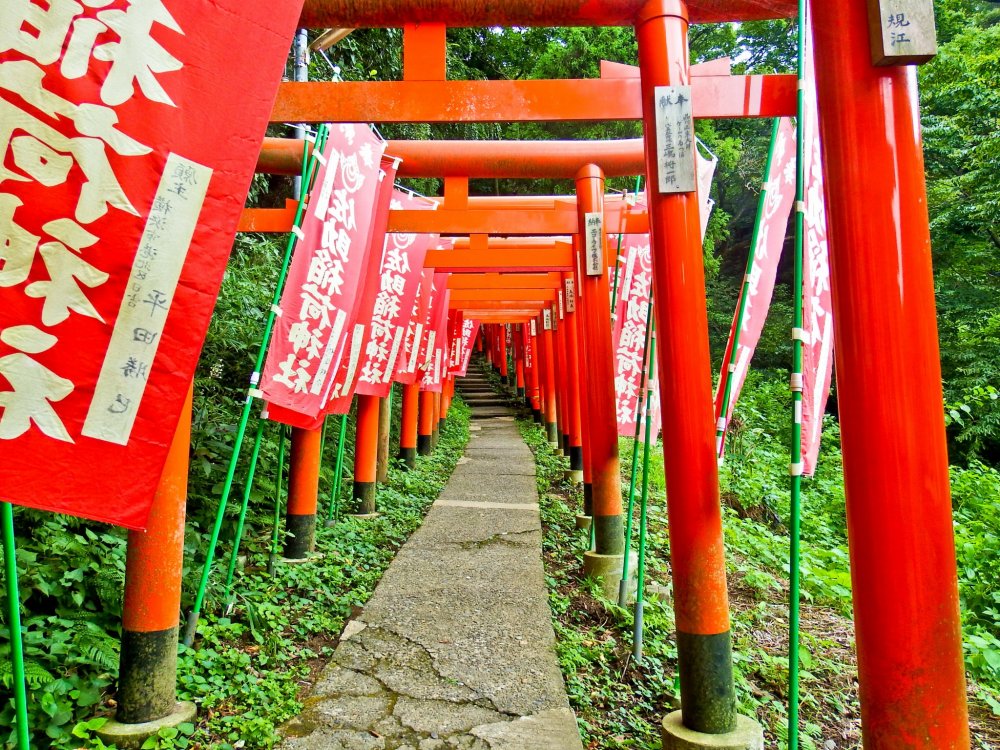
455,649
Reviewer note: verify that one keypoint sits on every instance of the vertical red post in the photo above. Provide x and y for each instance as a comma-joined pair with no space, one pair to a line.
519,384
408,425
701,602
366,454
605,560
436,419
303,491
147,676
534,388
547,362
502,351
573,378
560,369
426,422
899,521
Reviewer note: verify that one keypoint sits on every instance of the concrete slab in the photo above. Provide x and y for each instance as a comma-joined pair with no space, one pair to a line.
455,649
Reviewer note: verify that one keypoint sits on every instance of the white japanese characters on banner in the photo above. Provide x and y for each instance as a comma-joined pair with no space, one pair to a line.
318,303
117,212
629,337
399,280
408,366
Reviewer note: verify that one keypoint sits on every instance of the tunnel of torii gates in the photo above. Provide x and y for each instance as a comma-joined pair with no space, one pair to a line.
512,256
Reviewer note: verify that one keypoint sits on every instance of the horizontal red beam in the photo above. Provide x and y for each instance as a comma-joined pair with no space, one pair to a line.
488,159
513,222
397,13
473,261
513,296
522,101
505,281
495,304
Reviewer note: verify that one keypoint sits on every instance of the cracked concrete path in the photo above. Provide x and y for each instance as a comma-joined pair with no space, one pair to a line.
455,649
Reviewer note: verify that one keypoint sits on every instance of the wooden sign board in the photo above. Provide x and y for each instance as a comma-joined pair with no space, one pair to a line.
902,31
674,139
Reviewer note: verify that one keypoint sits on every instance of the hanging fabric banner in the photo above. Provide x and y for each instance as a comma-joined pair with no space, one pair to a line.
470,329
344,382
706,173
817,304
319,300
437,340
399,281
425,353
408,366
629,333
118,207
771,231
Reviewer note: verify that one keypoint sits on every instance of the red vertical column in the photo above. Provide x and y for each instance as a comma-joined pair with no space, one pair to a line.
518,335
502,351
366,453
147,677
534,393
573,378
701,603
547,362
595,316
425,424
899,520
408,425
560,360
303,492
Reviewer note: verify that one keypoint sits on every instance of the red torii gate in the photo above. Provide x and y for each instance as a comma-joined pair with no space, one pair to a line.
895,460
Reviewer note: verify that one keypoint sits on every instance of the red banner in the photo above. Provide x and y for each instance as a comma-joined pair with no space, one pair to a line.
772,227
817,305
399,281
342,393
118,205
408,367
436,342
319,301
470,329
629,334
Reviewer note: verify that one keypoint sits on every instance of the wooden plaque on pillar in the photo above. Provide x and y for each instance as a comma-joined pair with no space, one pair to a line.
570,294
902,31
675,165
546,320
594,243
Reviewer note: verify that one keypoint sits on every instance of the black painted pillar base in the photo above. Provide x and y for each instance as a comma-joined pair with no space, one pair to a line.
576,458
364,496
147,676
435,436
536,415
708,699
609,535
424,445
588,498
301,536
552,432
409,457
520,392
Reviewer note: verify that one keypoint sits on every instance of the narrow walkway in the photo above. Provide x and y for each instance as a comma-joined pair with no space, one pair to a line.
455,649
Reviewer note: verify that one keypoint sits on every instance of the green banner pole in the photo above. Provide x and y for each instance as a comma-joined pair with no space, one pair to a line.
235,553
279,482
640,583
794,554
18,684
338,474
626,577
310,166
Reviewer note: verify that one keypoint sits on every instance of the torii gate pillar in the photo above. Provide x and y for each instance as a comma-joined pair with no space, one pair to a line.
701,601
604,562
899,521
